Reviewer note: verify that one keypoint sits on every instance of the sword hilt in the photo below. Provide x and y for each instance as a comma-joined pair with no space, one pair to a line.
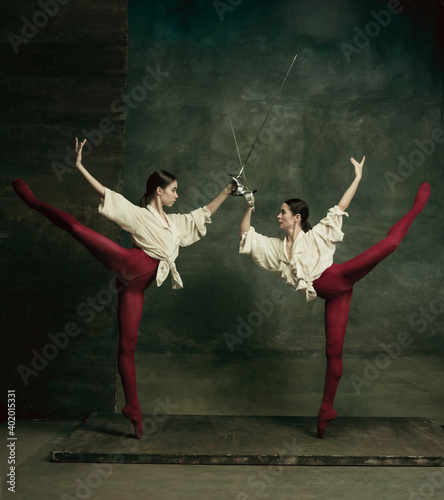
242,189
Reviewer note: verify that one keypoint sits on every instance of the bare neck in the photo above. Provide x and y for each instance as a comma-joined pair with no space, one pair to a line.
156,204
293,233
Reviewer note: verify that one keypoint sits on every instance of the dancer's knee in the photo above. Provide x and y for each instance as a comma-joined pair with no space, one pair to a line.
392,242
127,350
334,362
125,361
333,350
75,227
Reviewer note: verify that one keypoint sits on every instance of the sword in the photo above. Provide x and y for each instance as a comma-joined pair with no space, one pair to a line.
269,111
240,180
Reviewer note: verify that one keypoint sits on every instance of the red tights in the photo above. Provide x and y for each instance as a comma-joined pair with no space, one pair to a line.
135,272
335,285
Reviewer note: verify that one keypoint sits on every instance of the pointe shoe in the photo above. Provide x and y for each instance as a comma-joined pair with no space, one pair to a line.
136,419
323,420
422,196
22,189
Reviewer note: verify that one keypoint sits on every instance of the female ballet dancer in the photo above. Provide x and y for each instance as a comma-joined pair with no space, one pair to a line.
156,237
304,259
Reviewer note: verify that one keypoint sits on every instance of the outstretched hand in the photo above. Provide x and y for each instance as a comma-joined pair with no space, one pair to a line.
358,166
253,199
348,195
231,188
94,183
78,150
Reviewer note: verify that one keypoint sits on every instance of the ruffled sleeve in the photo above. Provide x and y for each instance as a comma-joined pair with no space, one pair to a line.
118,209
191,226
264,251
329,228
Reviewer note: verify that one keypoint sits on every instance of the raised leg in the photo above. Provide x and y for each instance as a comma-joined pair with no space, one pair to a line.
122,261
336,318
358,267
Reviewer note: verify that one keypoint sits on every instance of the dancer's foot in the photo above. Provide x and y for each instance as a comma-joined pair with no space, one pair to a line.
422,197
324,418
136,419
22,189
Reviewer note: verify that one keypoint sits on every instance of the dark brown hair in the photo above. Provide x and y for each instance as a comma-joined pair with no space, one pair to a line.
159,178
298,206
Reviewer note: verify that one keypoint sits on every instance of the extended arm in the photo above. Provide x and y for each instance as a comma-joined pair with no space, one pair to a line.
246,220
220,198
348,195
94,183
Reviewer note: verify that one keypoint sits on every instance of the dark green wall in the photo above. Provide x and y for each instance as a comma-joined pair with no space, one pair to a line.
381,102
337,102
60,74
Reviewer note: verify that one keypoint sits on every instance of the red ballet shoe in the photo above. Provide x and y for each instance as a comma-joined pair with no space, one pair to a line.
22,189
324,418
136,419
422,197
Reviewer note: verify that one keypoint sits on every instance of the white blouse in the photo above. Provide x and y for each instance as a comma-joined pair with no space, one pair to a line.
151,233
311,255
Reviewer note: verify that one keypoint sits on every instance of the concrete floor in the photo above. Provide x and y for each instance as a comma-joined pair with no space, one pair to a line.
39,479
410,386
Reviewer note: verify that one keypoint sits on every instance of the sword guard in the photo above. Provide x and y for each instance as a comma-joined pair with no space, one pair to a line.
240,185
242,189
248,195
